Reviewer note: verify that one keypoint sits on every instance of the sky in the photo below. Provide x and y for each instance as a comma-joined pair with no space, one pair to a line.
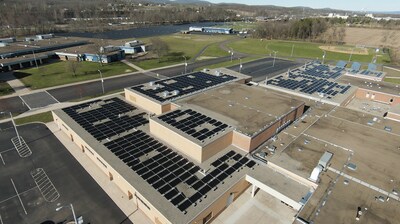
352,5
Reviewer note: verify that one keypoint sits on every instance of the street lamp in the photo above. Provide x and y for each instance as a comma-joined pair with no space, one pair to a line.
273,63
231,52
34,57
102,81
71,207
351,54
185,64
323,57
15,127
291,55
240,66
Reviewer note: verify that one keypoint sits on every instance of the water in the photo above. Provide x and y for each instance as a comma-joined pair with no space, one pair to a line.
139,32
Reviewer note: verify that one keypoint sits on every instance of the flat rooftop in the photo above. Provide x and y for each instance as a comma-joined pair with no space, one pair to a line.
249,109
366,155
22,46
180,86
383,87
168,180
195,126
395,109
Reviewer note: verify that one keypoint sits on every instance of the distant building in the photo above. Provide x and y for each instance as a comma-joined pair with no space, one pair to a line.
133,47
218,30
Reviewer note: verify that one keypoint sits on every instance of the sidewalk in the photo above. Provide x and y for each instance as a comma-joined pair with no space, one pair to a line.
128,207
15,83
132,65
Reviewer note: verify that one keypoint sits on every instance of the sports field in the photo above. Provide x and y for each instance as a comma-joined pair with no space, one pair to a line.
300,49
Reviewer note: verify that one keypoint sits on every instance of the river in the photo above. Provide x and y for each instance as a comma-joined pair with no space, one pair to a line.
139,32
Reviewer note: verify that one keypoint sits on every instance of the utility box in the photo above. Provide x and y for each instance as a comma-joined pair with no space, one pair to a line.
325,159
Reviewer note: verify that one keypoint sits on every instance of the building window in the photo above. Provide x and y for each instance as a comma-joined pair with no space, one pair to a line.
101,162
207,218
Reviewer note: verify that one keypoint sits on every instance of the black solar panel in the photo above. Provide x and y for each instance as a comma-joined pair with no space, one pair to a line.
167,89
316,78
104,119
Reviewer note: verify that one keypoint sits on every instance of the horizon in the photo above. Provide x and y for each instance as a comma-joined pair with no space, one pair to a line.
367,5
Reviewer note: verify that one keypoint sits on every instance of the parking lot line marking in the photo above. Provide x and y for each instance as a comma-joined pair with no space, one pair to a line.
25,103
1,220
1,156
52,96
16,195
20,200
7,150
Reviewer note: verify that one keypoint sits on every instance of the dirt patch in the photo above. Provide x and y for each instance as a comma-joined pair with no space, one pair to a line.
372,37
346,50
205,58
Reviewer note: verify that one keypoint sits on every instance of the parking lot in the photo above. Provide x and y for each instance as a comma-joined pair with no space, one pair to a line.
34,185
262,68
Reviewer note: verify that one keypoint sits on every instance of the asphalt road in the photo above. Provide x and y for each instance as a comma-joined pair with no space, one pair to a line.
258,69
71,181
262,68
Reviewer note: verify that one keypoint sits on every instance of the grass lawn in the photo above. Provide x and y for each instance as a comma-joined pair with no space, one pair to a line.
301,49
214,51
392,80
55,74
42,117
5,89
187,45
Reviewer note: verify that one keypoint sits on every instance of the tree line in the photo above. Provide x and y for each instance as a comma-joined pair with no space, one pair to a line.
311,29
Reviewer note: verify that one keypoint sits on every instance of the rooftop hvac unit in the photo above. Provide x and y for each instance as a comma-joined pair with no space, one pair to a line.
218,73
151,83
165,94
315,173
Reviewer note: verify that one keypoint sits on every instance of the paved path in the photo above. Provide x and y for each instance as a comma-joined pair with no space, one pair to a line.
128,207
15,83
132,65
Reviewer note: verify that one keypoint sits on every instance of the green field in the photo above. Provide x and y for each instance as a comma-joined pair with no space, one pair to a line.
300,49
214,51
55,74
187,45
5,89
42,117
392,80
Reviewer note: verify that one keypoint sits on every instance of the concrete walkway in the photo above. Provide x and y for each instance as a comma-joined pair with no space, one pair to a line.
15,83
132,65
128,207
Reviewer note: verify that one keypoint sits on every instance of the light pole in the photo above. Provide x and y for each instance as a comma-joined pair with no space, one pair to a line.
273,63
240,66
34,57
102,81
231,53
71,207
15,126
351,54
323,57
185,64
291,55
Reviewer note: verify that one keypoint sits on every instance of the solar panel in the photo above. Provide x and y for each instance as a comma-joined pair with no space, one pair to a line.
171,88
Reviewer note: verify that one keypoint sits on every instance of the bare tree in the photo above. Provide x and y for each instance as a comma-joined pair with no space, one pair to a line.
98,45
73,67
159,47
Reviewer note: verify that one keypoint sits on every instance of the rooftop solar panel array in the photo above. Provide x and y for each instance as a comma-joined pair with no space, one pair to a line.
341,64
316,78
171,174
104,119
175,87
355,66
194,123
371,67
